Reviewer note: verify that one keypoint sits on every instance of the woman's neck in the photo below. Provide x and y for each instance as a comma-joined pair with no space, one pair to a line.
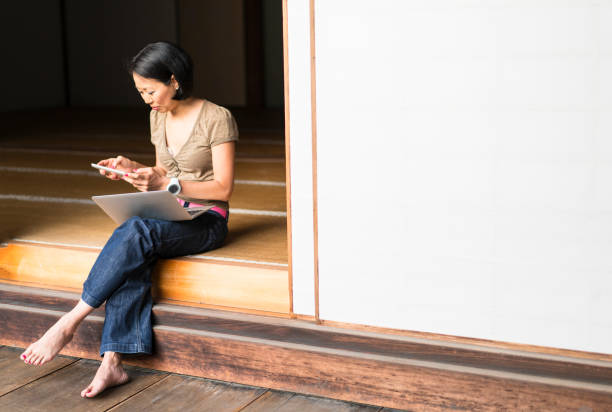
182,107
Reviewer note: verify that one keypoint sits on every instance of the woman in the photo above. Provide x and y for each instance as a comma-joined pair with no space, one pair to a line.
194,144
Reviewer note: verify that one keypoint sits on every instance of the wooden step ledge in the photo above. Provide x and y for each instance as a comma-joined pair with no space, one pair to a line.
385,370
187,280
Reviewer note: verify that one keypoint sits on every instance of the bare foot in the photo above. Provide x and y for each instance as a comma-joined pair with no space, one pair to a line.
109,374
49,345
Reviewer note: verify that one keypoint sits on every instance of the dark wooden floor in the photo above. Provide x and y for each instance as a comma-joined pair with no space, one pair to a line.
57,386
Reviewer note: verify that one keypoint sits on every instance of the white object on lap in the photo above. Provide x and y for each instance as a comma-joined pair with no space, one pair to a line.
108,169
159,204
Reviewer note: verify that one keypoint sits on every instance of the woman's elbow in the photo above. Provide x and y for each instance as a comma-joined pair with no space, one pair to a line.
227,192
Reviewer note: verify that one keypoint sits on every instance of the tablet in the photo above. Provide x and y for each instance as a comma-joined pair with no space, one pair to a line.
108,169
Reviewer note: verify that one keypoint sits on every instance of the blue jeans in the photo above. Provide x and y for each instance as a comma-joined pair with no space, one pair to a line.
121,275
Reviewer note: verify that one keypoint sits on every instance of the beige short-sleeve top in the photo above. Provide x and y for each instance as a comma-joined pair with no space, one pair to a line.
214,125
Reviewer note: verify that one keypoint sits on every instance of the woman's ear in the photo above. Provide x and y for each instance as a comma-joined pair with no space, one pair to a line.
174,82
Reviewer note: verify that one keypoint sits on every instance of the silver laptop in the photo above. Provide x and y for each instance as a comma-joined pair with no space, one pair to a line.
159,204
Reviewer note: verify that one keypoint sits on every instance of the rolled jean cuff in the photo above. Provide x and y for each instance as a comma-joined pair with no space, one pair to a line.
126,348
91,300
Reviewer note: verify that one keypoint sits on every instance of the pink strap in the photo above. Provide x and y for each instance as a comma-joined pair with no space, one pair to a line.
217,209
222,212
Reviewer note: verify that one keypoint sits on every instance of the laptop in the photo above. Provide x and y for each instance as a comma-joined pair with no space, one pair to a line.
159,204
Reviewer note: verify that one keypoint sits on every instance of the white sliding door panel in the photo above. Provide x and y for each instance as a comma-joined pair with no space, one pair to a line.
464,165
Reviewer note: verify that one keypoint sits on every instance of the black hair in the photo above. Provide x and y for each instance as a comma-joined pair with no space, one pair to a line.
160,61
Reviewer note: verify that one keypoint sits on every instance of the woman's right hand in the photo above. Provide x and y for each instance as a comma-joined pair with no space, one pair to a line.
119,163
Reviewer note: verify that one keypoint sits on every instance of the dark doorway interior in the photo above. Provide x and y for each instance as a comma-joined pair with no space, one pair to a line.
70,56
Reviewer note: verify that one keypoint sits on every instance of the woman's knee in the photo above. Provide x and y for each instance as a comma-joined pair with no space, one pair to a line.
133,221
133,229
134,225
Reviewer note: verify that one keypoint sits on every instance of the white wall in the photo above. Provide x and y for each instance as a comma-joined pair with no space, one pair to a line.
464,163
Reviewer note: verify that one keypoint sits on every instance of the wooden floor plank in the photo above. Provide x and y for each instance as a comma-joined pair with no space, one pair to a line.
163,392
137,141
60,391
287,402
251,238
313,404
251,197
88,140
73,158
68,161
269,401
15,373
146,157
267,171
245,148
54,223
257,238
186,393
255,197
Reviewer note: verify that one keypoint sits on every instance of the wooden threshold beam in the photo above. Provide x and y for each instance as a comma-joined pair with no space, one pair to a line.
385,370
187,280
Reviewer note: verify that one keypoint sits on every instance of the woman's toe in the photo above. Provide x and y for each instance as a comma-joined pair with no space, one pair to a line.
85,391
26,355
93,391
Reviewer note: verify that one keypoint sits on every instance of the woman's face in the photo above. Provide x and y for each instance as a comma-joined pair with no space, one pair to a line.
155,93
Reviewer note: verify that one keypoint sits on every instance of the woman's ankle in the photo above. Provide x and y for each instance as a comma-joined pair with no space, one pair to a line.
77,314
112,358
69,323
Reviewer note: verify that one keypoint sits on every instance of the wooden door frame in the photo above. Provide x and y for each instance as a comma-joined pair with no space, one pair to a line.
313,100
287,152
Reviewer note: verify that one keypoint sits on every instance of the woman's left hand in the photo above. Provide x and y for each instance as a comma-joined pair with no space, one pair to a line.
146,179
